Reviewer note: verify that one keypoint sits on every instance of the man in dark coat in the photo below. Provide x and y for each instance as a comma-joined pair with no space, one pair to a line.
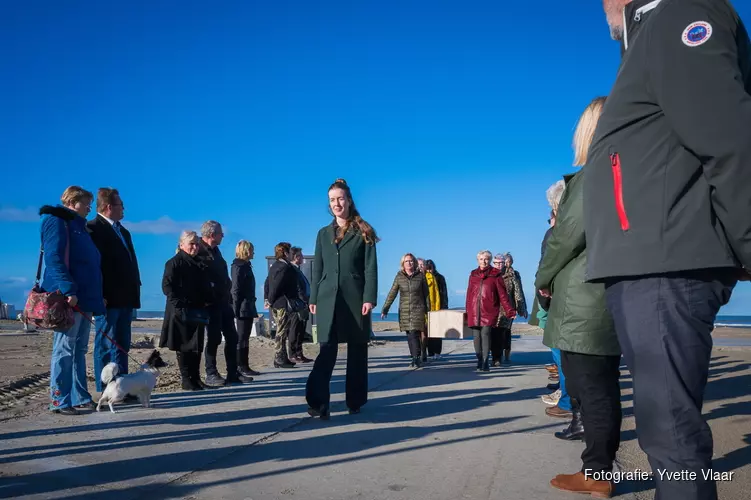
222,319
667,213
121,283
299,321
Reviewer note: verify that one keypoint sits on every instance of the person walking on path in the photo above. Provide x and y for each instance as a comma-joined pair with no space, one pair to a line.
72,266
121,284
299,320
414,304
666,204
344,291
513,281
243,294
580,325
486,300
186,285
439,299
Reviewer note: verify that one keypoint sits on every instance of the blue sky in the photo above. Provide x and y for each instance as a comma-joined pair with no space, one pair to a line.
448,119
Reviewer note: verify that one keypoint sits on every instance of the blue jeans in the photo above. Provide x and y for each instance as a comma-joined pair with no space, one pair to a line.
68,385
116,324
565,402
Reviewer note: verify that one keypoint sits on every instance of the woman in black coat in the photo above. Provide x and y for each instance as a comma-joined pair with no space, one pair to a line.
188,290
284,301
243,294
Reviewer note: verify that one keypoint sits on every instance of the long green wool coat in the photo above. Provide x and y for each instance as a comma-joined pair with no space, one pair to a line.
345,276
578,320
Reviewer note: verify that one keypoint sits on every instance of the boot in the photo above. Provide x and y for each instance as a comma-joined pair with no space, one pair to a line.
579,483
213,379
575,430
417,362
507,354
194,368
486,364
182,364
243,367
479,362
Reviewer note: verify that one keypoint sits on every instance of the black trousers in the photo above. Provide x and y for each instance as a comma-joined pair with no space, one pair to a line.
482,342
435,346
413,341
664,326
296,334
221,322
593,382
244,329
496,343
318,387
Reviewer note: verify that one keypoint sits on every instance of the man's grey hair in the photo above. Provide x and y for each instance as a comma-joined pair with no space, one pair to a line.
499,256
554,194
210,228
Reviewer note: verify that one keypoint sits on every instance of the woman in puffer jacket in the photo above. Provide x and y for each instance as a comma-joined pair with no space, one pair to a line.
414,304
486,295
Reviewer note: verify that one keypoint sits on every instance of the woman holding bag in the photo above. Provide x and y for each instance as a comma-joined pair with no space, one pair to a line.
71,266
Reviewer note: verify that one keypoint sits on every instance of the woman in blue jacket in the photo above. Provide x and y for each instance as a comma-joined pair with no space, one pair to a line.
71,266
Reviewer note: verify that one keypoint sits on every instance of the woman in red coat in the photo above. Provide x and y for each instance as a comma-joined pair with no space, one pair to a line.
486,294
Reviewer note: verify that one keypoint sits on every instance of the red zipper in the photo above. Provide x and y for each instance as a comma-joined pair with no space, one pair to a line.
620,207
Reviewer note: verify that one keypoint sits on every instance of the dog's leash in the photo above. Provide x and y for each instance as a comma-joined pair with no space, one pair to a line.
78,310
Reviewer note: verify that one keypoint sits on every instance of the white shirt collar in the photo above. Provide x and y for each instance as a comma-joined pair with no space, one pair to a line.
112,223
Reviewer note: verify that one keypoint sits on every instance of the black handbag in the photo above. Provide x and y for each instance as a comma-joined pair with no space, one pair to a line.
297,306
200,316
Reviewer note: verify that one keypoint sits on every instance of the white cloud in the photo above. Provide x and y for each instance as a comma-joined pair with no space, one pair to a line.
162,225
12,214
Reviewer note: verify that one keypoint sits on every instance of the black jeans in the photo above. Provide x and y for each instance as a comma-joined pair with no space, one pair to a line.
413,341
318,387
482,342
296,334
593,382
222,321
496,343
435,346
664,326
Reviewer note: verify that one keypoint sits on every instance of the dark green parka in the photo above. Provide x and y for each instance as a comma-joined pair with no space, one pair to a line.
578,320
414,300
345,276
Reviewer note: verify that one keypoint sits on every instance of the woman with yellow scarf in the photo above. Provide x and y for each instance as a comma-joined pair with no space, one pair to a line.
439,299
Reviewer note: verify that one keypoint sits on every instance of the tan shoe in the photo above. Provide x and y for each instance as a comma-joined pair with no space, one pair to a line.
578,483
558,412
551,368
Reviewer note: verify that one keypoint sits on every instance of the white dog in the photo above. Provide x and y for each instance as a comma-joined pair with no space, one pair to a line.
138,384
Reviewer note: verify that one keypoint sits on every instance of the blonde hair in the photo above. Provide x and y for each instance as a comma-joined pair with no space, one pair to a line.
554,195
585,130
186,236
404,259
242,250
74,194
367,231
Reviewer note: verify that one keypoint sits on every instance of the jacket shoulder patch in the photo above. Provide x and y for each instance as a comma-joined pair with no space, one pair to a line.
697,33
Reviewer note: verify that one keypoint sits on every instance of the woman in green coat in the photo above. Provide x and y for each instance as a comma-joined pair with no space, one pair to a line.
580,325
414,304
343,293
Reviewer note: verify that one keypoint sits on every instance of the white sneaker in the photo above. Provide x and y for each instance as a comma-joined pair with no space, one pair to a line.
552,399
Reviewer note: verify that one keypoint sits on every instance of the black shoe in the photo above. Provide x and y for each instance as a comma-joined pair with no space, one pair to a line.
247,372
412,363
418,362
66,411
322,412
87,406
575,430
284,364
239,378
486,366
215,380
354,411
553,387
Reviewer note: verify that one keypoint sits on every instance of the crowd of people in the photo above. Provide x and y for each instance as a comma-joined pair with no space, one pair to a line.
646,243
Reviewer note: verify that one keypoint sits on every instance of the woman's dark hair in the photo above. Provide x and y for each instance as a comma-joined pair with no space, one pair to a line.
430,266
281,249
366,230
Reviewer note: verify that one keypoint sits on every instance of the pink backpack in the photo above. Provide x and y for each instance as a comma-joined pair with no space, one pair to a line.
45,310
